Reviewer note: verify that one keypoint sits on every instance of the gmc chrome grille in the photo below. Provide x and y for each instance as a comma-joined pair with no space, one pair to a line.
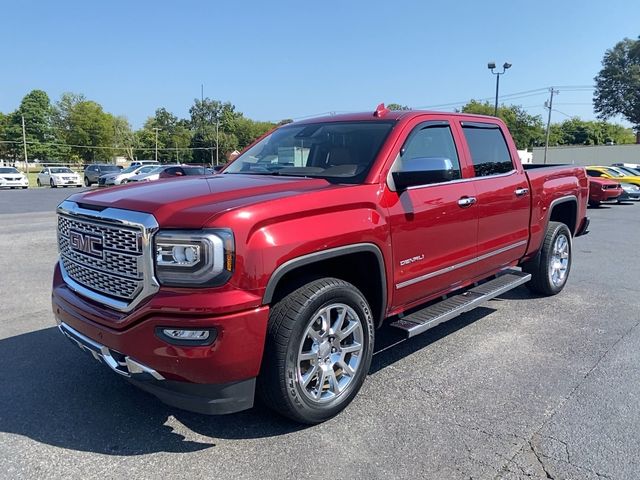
106,255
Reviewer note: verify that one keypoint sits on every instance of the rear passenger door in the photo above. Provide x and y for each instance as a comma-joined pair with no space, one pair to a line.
503,197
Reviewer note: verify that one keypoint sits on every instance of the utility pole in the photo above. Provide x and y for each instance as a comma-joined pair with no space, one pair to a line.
217,142
548,105
24,144
157,130
202,92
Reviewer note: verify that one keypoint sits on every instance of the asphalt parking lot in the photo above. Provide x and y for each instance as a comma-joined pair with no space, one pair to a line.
524,387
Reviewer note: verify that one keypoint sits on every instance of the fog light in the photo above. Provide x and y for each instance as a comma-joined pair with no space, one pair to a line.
180,336
186,334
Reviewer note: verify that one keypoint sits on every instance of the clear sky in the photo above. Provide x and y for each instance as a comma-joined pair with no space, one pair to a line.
289,59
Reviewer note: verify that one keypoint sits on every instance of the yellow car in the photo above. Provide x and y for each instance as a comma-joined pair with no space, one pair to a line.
613,173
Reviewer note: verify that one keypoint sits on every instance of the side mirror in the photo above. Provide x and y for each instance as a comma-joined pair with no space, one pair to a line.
423,171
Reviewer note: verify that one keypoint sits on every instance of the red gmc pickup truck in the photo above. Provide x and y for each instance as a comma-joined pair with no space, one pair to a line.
272,276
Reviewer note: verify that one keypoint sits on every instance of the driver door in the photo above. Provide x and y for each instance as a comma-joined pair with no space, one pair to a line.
434,225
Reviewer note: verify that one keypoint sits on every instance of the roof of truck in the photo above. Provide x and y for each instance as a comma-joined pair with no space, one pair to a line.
383,114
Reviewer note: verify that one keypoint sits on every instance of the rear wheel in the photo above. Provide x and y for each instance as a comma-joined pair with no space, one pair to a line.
318,350
550,274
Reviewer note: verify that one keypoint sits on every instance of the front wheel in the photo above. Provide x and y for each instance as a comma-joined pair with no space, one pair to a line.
38,182
318,350
87,183
51,184
550,274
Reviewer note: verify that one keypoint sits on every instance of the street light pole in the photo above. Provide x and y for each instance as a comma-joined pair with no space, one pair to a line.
491,66
157,130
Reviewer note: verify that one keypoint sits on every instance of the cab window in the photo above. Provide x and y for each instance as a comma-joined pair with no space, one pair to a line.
432,143
488,148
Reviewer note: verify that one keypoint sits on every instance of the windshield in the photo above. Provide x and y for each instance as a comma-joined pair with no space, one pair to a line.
129,169
152,170
632,171
146,169
337,151
613,173
623,172
8,170
109,168
61,170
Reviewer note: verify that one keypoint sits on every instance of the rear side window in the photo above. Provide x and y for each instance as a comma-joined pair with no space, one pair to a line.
489,152
594,173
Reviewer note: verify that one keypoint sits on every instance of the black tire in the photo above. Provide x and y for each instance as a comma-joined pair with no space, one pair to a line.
279,383
38,182
542,279
51,184
87,183
24,188
594,204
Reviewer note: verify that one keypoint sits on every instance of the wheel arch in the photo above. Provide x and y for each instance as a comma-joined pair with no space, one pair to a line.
564,210
369,277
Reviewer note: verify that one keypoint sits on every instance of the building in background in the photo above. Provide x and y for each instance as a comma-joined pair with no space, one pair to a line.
589,154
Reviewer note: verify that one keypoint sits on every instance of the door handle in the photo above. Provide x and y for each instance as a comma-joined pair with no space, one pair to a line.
467,201
521,191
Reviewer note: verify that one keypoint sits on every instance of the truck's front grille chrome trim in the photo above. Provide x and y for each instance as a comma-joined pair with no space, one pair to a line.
456,266
120,274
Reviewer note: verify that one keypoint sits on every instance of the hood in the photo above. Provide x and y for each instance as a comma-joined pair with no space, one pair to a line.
190,202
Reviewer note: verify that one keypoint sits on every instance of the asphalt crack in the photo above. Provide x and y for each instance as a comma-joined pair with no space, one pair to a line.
558,408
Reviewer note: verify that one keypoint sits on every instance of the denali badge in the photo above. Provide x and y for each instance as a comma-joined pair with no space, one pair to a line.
87,243
408,261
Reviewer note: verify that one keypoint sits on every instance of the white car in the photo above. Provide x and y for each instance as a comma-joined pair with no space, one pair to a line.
118,178
59,177
11,178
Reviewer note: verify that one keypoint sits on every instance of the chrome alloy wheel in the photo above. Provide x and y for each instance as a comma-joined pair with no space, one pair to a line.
330,352
559,262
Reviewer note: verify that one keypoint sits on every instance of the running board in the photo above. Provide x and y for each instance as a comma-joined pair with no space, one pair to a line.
422,320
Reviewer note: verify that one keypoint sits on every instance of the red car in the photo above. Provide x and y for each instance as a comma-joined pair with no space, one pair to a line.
603,190
273,275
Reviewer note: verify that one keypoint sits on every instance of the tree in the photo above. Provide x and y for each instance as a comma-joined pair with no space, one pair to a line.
580,132
618,84
123,137
213,124
397,106
174,137
526,130
91,130
37,112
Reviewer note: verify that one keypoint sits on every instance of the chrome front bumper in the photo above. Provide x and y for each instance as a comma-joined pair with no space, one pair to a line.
116,361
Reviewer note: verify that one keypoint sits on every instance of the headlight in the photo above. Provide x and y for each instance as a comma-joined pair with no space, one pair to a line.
194,258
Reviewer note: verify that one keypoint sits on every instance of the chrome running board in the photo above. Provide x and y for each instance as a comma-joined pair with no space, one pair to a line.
437,313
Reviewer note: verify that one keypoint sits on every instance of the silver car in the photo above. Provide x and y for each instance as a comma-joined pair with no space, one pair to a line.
149,176
117,178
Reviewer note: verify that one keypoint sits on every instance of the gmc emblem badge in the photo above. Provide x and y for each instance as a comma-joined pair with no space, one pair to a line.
86,243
